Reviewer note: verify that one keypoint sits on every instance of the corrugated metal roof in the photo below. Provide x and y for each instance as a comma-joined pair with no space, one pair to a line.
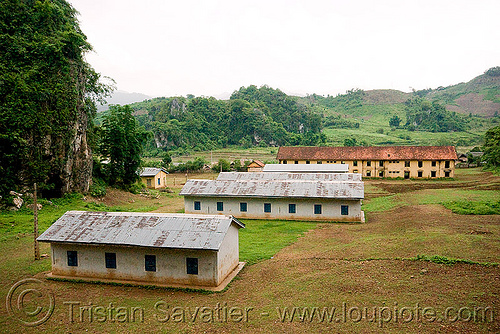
163,230
264,176
307,168
368,153
274,189
150,171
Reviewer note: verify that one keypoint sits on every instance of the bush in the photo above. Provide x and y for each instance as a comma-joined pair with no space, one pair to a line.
98,188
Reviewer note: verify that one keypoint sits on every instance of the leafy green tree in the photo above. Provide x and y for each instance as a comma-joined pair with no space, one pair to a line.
492,147
121,143
350,142
48,94
394,121
222,166
167,159
421,114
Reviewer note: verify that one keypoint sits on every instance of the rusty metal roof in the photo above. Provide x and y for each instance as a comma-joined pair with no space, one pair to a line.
162,230
265,176
150,171
274,189
368,153
307,168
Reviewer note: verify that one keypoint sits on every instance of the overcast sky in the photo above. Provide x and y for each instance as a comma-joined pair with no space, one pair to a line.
211,48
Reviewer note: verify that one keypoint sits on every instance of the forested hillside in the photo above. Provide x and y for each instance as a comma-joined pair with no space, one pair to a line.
265,116
252,116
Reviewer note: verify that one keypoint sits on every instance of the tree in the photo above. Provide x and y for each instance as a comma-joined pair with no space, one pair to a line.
167,159
48,94
222,166
121,143
394,121
492,147
350,142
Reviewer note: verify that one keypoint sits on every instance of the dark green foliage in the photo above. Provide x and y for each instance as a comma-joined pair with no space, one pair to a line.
395,121
493,72
449,261
166,159
98,188
253,116
421,114
190,166
222,166
339,122
492,147
473,208
342,103
121,143
47,94
351,142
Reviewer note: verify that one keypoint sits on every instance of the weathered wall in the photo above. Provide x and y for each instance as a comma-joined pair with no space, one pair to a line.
228,255
392,169
279,208
170,264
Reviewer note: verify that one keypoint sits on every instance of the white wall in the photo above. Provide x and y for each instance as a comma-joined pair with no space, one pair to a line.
170,264
228,255
279,208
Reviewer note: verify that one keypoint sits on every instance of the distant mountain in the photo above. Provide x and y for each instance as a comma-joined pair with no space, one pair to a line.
480,96
121,97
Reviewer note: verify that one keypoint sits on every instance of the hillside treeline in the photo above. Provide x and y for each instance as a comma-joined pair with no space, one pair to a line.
252,116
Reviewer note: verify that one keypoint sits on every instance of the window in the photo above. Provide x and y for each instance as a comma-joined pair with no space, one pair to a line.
368,163
446,164
220,206
72,259
285,162
192,265
292,208
308,162
355,171
381,174
148,182
433,173
267,207
197,205
407,164
368,173
420,164
317,209
433,164
110,260
419,173
446,174
243,207
344,210
355,163
381,163
150,262
319,162
159,180
296,162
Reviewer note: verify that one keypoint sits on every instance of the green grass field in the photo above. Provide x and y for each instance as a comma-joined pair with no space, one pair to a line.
412,250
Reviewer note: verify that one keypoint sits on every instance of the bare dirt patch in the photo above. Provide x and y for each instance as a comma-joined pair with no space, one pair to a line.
476,104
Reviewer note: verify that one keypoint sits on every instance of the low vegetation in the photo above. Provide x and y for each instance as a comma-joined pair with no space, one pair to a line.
300,264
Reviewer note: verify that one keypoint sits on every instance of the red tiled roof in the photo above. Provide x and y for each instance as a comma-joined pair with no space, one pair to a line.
368,153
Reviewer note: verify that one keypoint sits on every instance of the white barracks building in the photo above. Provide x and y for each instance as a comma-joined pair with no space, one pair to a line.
278,195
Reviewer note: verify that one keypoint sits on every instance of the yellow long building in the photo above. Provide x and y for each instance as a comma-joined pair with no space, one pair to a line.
379,161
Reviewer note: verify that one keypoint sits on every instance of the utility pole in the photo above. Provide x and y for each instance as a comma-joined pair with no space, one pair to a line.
35,223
